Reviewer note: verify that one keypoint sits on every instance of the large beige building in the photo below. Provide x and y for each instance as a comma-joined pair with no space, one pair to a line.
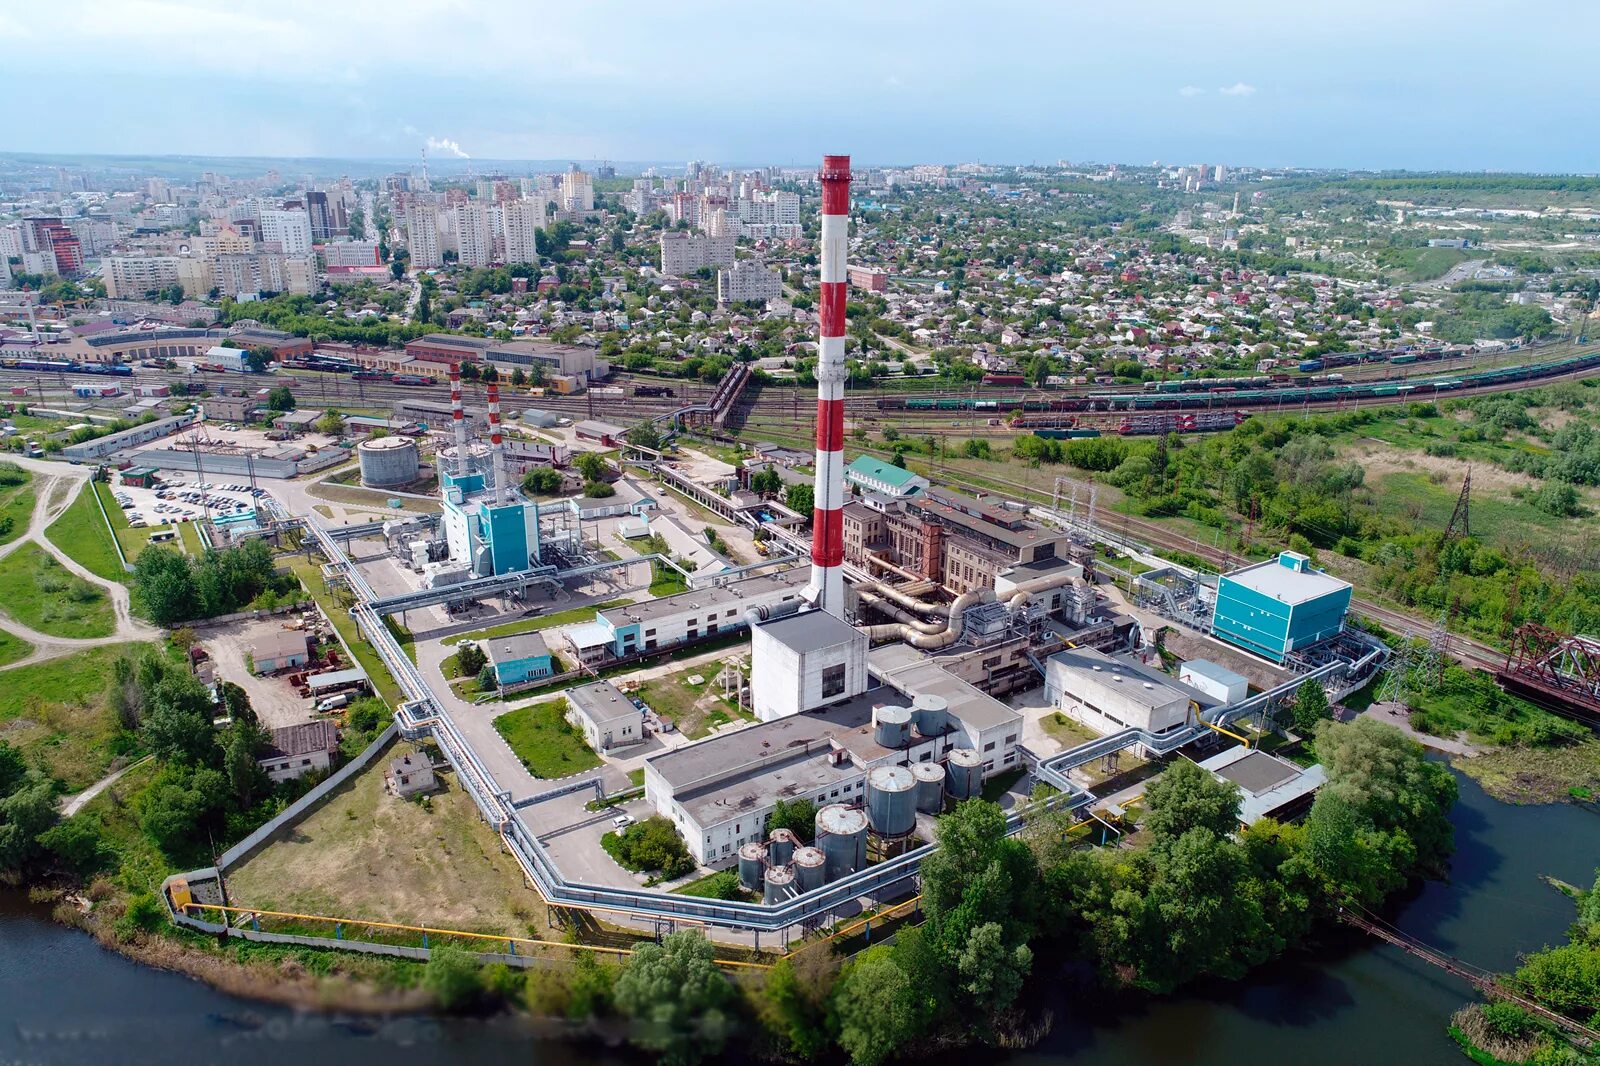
261,272
132,276
474,235
577,191
422,236
523,219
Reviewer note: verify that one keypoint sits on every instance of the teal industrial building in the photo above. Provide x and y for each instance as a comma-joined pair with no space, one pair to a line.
1280,606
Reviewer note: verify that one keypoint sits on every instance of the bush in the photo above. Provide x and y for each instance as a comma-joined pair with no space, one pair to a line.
470,660
598,490
453,977
143,914
653,844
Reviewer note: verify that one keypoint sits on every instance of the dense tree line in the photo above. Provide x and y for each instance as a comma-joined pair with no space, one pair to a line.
175,587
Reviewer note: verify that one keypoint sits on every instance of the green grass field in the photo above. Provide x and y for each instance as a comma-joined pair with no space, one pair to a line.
13,648
42,594
540,736
1496,517
16,505
56,712
82,533
544,621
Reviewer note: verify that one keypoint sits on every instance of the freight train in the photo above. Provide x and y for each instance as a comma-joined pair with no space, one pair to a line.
1277,394
67,366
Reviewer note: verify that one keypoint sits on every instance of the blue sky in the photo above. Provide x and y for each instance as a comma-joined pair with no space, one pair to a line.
1448,84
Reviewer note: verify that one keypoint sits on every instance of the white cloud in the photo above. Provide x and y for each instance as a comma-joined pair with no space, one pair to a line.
448,147
1238,88
1190,90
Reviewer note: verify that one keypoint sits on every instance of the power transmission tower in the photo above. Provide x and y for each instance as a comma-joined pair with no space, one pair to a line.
1396,675
1459,524
1438,652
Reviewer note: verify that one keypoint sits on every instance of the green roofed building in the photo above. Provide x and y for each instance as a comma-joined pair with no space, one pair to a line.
886,479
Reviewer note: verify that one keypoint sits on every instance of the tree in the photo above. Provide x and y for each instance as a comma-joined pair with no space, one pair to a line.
678,999
79,845
488,680
800,499
182,809
280,399
766,482
247,780
542,481
256,360
519,378
13,768
470,659
166,585
798,816
453,977
599,490
1385,779
645,435
871,1013
793,1003
1310,707
991,971
1186,797
331,423
590,466
899,460
178,732
25,814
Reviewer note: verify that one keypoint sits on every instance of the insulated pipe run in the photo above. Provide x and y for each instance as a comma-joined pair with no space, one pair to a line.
826,589
872,599
496,450
458,419
934,641
1020,595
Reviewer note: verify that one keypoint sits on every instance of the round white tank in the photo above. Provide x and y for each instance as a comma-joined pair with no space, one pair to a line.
964,771
931,714
388,461
930,786
752,866
891,800
891,726
842,836
810,868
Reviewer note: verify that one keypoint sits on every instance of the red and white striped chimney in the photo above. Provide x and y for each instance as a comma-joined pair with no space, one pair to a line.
458,418
496,451
826,590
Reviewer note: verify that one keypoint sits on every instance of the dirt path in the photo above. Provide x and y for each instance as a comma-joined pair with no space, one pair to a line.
74,804
53,494
1395,714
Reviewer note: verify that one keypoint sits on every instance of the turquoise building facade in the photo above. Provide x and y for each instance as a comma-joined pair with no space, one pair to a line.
1280,606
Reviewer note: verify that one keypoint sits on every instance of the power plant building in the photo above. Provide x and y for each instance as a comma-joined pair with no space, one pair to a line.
1277,607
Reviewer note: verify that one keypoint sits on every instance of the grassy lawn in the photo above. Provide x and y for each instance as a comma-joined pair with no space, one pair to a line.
44,595
1000,784
1496,517
666,581
189,535
695,709
13,648
56,712
141,866
16,504
724,884
540,736
543,621
310,575
371,498
368,854
1068,732
83,535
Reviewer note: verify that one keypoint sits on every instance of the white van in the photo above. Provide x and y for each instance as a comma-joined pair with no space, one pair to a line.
333,703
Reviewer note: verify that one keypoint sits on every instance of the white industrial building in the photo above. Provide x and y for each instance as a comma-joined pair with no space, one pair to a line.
606,717
1216,681
1109,695
808,660
654,624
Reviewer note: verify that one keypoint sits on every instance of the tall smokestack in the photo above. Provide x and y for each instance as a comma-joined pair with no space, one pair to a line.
458,419
826,590
496,451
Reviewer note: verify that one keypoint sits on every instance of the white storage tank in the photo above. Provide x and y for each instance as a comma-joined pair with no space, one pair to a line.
930,786
388,461
891,800
931,714
810,868
891,726
780,884
752,866
964,774
781,847
842,836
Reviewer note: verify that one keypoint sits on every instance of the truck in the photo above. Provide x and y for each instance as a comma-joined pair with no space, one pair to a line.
333,703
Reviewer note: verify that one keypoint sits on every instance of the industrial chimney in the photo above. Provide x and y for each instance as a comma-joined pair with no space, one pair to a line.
496,450
826,590
458,419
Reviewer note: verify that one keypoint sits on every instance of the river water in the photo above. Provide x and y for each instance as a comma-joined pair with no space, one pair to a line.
66,1000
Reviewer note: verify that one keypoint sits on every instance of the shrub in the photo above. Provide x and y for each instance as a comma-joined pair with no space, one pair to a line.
143,914
453,977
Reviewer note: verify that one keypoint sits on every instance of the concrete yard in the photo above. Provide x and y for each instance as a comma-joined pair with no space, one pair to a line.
275,703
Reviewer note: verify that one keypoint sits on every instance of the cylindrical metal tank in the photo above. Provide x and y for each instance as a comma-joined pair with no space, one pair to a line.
781,847
810,868
964,774
752,865
842,836
930,786
891,800
780,884
449,459
931,714
892,726
388,461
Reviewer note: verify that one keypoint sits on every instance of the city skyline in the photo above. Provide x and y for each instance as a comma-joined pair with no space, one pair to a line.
1366,86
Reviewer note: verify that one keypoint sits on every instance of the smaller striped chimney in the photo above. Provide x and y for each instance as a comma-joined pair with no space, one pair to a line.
497,450
458,418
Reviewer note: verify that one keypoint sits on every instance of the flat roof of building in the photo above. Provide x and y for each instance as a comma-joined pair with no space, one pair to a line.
598,428
1267,783
811,631
275,645
602,702
1214,671
913,672
335,678
302,739
715,596
515,647
1288,586
1141,683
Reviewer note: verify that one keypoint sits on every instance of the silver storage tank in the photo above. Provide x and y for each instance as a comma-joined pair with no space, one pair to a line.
892,726
752,865
780,884
930,786
842,836
891,800
388,461
810,866
931,714
781,846
964,774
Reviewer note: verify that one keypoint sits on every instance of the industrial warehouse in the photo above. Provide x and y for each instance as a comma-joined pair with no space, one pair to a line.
913,650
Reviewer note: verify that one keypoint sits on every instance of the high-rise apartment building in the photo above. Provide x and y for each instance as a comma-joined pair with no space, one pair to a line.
262,272
59,249
321,215
290,228
523,219
682,253
577,190
422,236
747,280
474,235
